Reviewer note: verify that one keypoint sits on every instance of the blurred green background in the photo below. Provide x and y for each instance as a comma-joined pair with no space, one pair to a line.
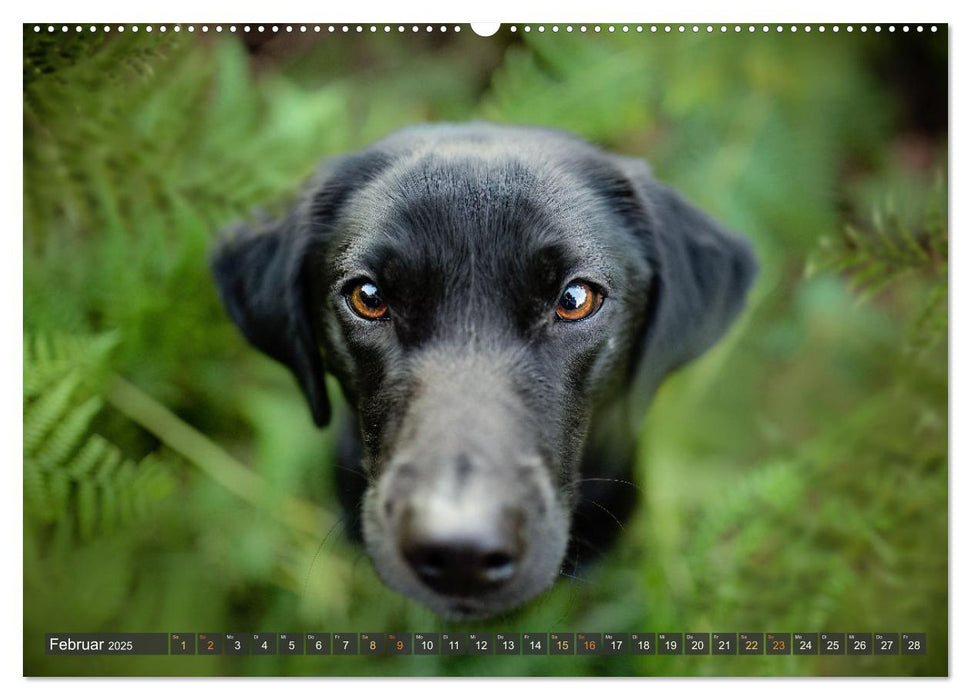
794,479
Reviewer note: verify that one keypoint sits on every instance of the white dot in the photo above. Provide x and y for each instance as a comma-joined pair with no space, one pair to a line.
765,28
920,28
906,28
541,28
934,28
836,29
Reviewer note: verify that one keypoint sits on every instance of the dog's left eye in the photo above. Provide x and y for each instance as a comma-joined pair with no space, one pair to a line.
366,301
578,301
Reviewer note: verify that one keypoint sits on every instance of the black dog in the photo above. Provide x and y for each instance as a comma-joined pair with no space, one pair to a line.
499,304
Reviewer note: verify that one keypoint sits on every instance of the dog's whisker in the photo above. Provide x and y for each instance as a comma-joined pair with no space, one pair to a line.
616,481
320,548
352,470
605,510
574,577
590,545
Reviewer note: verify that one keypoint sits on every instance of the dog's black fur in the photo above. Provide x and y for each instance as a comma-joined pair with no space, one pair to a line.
490,442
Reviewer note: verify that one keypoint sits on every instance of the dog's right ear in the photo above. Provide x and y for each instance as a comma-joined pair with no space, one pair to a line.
261,271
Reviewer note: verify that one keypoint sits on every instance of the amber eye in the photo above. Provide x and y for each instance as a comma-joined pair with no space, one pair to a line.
366,301
578,301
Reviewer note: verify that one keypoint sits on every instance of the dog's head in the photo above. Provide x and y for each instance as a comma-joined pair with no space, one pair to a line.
487,297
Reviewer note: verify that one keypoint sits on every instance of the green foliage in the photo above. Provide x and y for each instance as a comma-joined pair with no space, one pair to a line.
767,143
135,152
890,249
793,479
72,475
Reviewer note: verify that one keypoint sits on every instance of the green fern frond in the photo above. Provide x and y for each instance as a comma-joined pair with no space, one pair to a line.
41,416
887,249
95,451
49,357
890,250
68,433
70,472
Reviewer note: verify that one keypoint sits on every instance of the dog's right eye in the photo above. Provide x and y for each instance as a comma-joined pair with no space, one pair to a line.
578,301
366,301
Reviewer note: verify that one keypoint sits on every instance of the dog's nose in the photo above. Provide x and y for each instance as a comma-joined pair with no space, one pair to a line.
464,561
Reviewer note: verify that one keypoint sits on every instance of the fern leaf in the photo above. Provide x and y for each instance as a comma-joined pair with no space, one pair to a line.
41,416
93,452
68,433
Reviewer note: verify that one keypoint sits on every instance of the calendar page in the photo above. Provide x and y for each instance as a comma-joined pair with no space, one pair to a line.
542,349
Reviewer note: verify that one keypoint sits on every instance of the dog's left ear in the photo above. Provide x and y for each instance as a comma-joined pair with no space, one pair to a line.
259,272
701,274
